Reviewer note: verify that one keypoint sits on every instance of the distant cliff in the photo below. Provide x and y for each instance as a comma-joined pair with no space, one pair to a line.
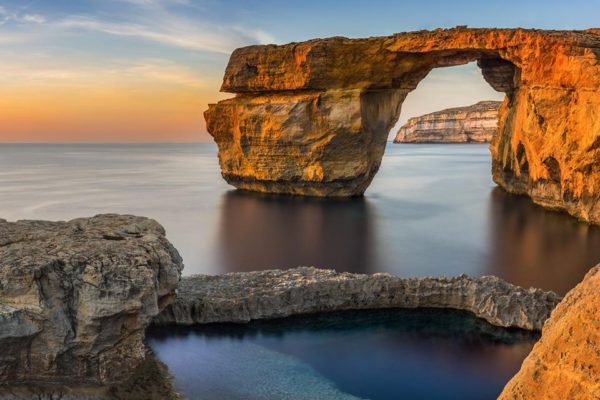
471,124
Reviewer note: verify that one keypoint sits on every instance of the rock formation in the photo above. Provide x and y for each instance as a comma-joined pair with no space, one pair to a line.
76,297
565,362
245,296
472,124
312,118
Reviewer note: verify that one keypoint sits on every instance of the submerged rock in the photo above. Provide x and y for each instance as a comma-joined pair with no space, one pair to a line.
565,363
472,124
150,380
245,296
76,297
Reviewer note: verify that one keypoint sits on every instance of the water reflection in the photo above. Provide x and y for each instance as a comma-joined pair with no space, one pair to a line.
376,354
431,210
266,231
531,246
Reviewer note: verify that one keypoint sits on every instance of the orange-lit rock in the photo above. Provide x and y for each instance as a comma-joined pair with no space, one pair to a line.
565,363
312,118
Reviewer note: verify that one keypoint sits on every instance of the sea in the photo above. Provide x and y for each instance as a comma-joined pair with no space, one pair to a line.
432,209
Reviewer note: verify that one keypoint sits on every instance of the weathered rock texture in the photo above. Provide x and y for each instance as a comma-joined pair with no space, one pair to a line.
245,296
565,362
76,297
472,124
312,118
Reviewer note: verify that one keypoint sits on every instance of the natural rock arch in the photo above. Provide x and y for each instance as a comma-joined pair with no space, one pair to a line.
312,118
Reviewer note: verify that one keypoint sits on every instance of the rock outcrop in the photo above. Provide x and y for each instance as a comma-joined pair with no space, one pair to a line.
472,124
565,362
245,296
76,297
313,118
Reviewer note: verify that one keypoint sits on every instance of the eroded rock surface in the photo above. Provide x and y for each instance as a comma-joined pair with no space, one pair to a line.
245,296
76,296
471,124
313,118
565,362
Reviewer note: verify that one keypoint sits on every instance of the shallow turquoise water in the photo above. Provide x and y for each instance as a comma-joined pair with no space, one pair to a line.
380,354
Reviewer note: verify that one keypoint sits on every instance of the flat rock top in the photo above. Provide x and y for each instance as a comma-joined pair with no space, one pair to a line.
486,105
386,61
24,242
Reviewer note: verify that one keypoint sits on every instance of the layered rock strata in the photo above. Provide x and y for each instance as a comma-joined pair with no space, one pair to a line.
245,296
76,297
312,118
565,362
472,124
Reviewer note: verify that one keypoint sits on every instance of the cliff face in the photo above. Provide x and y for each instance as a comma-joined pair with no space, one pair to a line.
565,362
472,124
245,296
76,297
313,118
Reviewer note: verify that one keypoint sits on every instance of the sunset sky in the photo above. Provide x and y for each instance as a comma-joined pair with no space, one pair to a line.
145,70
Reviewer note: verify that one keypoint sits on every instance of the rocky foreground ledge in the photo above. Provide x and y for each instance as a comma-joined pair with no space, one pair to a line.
245,296
77,296
565,362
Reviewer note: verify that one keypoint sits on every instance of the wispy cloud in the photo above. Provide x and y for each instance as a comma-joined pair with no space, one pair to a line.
34,18
153,21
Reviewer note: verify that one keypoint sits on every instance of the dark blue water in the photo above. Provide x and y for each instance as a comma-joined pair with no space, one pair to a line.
384,354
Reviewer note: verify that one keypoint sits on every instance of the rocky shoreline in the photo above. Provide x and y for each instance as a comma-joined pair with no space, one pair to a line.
245,296
76,298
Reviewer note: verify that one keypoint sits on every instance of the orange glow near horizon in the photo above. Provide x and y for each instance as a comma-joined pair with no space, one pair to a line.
109,113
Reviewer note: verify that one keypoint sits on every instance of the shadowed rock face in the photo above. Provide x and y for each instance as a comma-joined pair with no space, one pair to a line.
246,296
471,124
565,363
312,118
76,297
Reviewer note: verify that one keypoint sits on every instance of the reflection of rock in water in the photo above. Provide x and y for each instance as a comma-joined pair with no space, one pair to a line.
423,323
263,232
150,381
531,246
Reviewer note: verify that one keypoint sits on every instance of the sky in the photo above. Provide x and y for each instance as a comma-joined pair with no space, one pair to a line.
145,70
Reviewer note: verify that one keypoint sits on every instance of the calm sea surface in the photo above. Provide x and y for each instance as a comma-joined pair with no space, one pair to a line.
431,210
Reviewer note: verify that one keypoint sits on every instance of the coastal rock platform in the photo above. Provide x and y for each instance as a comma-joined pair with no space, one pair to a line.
245,296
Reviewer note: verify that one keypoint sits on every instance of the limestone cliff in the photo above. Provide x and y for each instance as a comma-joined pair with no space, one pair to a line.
565,362
244,296
76,297
313,118
472,124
